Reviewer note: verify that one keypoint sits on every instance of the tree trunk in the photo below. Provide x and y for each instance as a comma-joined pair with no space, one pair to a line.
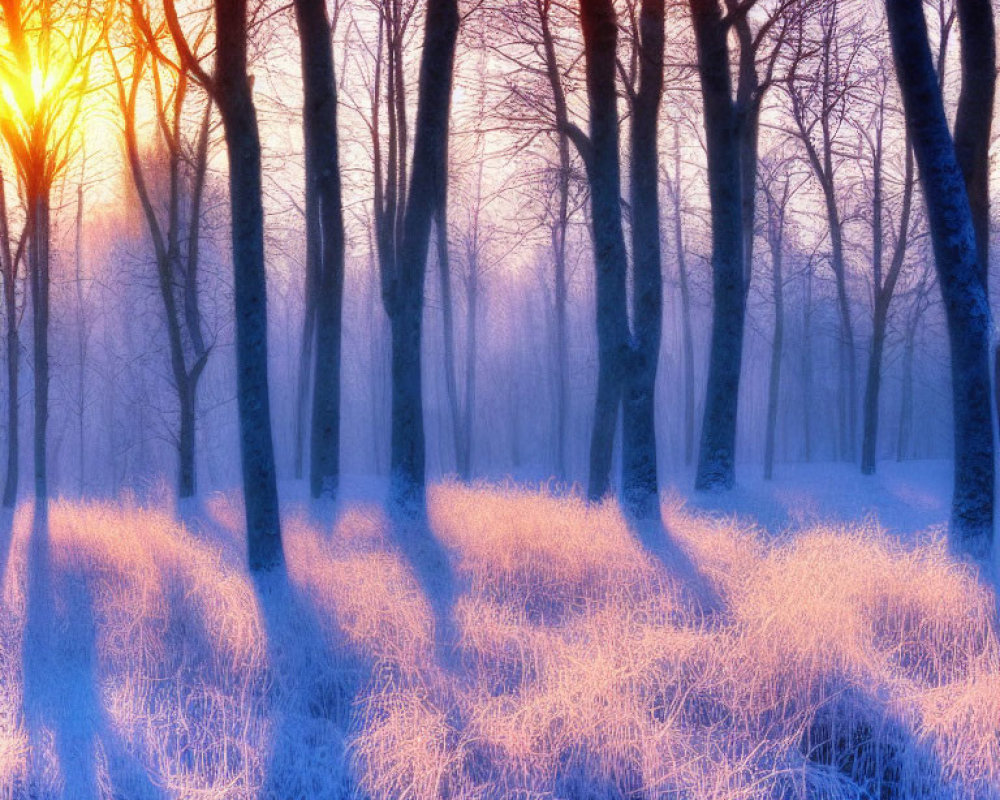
81,344
716,468
239,117
448,332
39,269
640,487
869,449
185,442
974,116
319,121
601,153
807,366
406,285
906,394
304,379
776,223
10,265
688,334
471,351
560,230
966,305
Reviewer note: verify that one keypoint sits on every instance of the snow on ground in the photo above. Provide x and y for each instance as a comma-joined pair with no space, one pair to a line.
516,644
904,498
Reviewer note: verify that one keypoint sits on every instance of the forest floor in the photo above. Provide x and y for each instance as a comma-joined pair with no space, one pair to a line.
806,639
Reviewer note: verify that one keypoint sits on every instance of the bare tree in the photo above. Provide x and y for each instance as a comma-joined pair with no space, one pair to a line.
956,256
231,87
779,186
675,193
627,355
884,279
11,255
716,469
176,240
324,240
403,275
47,73
821,79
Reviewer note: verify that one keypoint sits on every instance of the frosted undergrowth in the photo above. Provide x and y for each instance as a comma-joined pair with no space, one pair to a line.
519,645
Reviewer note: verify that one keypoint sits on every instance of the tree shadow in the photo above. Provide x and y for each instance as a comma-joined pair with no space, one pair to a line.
857,741
316,678
659,543
410,532
61,671
6,542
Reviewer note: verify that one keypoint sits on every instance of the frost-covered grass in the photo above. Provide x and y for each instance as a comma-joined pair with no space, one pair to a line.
528,647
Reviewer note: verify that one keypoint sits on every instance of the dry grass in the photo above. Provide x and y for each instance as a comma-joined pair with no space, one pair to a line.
571,660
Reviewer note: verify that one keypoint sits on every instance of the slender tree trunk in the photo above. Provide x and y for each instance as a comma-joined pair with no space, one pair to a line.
304,379
448,325
776,241
39,268
406,286
561,327
807,366
716,460
687,333
884,288
906,394
869,450
600,34
957,260
185,441
640,486
239,117
846,354
560,230
81,345
10,266
471,351
323,168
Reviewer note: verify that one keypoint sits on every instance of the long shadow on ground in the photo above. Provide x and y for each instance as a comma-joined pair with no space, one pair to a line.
61,672
657,540
410,532
314,686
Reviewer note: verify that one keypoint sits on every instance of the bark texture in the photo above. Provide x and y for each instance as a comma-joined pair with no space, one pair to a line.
957,261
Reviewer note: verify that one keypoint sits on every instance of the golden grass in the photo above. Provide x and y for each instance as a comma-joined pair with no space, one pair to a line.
834,663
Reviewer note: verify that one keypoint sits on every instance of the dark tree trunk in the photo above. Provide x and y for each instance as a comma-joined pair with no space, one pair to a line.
448,332
471,350
775,239
973,126
883,294
957,260
807,366
640,487
869,442
974,117
326,238
10,268
404,286
304,380
716,468
601,154
560,229
39,271
239,117
906,392
185,442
